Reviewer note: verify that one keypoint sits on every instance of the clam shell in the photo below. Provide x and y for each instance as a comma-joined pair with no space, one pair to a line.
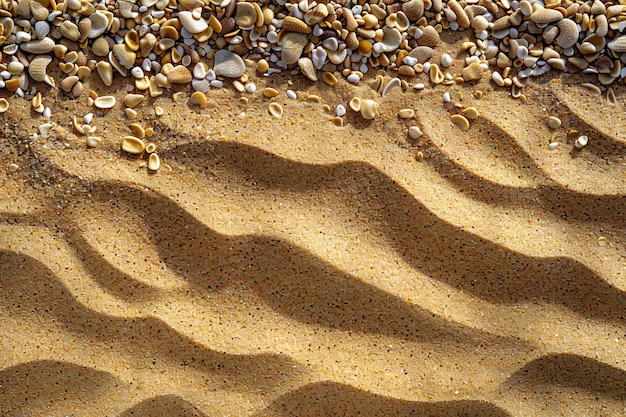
618,44
38,66
291,24
316,14
132,145
154,162
429,37
105,102
414,9
38,47
275,110
191,24
293,44
4,105
105,71
369,109
543,16
228,64
42,29
246,15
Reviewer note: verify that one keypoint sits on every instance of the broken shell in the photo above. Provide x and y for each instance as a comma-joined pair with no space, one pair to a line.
38,67
133,145
275,110
471,113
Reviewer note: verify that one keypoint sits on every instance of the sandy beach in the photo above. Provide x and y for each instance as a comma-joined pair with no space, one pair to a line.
292,267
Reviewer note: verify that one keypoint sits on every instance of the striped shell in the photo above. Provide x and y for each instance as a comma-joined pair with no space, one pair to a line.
618,44
38,67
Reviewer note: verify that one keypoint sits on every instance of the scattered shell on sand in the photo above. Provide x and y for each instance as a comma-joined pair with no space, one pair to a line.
369,109
554,122
133,145
415,132
94,141
460,121
406,113
275,110
228,64
105,102
154,162
4,105
151,147
471,113
133,100
581,142
198,98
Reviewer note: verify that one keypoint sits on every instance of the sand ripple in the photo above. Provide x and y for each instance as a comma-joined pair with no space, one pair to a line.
280,271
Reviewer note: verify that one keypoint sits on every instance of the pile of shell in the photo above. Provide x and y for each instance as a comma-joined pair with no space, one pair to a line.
159,43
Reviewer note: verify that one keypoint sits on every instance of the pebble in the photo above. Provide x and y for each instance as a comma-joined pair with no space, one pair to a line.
415,132
460,121
341,110
554,122
446,60
553,145
406,113
228,64
291,94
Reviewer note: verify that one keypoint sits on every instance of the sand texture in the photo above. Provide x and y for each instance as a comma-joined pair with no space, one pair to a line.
290,267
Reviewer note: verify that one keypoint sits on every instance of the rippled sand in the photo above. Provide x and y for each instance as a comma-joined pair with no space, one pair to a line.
289,267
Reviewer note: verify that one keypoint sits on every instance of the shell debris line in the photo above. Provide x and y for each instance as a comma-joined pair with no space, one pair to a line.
158,44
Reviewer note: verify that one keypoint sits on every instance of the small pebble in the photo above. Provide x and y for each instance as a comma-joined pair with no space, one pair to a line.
446,97
415,132
292,94
581,142
446,60
554,122
341,111
553,145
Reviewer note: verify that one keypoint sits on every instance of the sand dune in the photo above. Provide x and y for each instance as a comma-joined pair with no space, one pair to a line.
282,270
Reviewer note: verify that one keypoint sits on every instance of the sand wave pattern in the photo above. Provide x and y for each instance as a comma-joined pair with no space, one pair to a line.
284,272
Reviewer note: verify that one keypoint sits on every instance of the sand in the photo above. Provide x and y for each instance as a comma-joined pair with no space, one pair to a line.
290,267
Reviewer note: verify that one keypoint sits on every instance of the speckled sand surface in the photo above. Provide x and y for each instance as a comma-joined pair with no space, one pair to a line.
292,267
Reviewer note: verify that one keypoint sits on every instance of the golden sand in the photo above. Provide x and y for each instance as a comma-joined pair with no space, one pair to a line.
287,266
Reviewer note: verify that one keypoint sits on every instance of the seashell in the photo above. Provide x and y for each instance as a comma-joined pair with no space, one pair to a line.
228,64
568,33
429,37
105,71
319,57
618,44
38,11
316,14
270,92
275,110
352,41
93,141
38,67
461,17
460,121
337,57
132,145
292,44
179,75
202,85
414,9
137,130
422,53
365,47
391,39
147,43
124,56
471,113
191,24
190,4
4,105
154,162
42,29
472,72
329,78
150,148
131,39
99,24
100,47
68,83
544,16
69,30
198,98
355,104
291,24
369,109
307,68
406,113
393,83
84,28
245,15
105,102
133,100
38,47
